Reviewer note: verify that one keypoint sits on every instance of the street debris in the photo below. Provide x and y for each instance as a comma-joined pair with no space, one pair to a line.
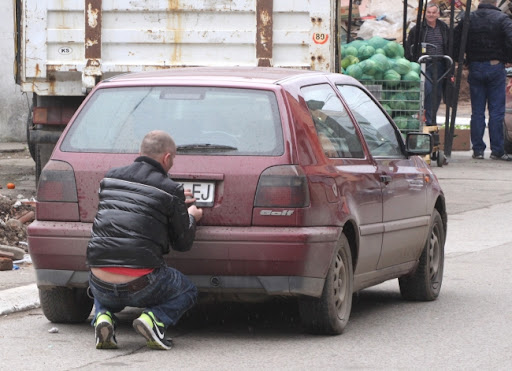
15,215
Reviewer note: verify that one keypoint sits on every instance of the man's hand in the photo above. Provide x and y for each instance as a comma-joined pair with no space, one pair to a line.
196,212
189,197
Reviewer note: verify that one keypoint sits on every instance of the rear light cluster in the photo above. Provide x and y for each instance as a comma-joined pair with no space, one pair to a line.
57,197
282,186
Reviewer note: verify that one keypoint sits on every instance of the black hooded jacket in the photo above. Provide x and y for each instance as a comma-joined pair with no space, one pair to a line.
141,213
489,35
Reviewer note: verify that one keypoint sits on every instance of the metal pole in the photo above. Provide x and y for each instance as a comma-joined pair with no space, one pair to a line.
464,38
417,49
404,28
448,138
349,21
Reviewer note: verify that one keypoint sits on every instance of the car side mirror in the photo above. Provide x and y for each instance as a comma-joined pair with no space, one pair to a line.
418,144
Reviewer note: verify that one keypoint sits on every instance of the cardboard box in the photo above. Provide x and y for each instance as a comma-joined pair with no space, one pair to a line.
461,139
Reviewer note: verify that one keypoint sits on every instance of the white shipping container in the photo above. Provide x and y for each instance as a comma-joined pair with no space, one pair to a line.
67,46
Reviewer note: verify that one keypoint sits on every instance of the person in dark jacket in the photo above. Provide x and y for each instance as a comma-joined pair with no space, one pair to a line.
489,43
433,34
142,213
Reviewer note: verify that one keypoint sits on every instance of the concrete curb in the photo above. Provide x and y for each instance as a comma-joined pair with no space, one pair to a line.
19,299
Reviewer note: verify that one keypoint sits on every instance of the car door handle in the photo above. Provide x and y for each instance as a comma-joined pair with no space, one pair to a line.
386,179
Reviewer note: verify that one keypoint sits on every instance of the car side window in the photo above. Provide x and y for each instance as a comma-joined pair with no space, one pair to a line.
335,129
381,136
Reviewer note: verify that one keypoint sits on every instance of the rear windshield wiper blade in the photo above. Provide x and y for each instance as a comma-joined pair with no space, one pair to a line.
205,146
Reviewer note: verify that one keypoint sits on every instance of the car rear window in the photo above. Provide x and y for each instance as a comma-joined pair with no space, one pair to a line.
202,120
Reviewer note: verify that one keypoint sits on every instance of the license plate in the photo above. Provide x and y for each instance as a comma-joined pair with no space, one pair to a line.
203,192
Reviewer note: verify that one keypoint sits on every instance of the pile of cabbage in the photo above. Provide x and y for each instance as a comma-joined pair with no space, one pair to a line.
378,61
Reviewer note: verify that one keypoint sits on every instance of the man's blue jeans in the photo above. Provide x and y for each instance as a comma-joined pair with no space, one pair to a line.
169,295
487,88
431,104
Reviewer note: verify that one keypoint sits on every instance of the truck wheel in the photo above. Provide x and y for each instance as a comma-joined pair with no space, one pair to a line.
31,146
329,314
42,156
424,284
65,305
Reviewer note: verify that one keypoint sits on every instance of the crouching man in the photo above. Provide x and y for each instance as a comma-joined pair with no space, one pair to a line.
142,213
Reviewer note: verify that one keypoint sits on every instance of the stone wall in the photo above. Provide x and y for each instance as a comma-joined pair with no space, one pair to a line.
14,105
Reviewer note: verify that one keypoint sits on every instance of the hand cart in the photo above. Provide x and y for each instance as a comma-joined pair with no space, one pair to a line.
433,129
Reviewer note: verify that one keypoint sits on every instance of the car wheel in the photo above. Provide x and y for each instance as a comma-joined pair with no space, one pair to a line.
65,305
507,142
329,314
424,284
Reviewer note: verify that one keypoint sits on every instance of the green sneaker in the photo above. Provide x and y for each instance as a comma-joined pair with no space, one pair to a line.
153,330
104,330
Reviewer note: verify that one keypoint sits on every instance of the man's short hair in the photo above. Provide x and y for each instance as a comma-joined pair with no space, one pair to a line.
157,143
431,4
492,2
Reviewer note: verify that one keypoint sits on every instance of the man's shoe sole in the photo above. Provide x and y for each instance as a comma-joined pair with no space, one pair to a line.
104,336
500,158
143,329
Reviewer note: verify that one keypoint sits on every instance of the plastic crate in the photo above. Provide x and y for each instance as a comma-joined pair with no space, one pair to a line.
402,100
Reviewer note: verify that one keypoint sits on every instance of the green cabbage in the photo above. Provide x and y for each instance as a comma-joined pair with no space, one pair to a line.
394,50
348,60
350,50
368,66
401,122
392,78
365,52
377,42
413,93
355,71
413,124
382,62
357,43
398,102
402,66
416,67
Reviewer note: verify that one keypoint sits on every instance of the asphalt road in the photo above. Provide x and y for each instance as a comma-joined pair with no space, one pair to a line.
469,327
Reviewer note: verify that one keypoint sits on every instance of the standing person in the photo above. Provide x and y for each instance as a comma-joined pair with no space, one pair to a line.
434,33
489,41
141,213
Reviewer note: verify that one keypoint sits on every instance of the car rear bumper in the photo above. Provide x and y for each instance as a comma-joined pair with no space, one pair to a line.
266,260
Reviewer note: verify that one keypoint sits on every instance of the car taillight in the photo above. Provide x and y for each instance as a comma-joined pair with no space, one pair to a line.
57,197
282,186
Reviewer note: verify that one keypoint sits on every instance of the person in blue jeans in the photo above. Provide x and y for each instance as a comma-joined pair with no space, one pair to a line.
142,213
433,38
488,49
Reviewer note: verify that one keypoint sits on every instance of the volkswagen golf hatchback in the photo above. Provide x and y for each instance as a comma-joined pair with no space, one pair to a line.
309,189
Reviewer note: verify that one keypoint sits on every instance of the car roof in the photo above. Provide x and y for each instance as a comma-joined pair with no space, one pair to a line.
269,75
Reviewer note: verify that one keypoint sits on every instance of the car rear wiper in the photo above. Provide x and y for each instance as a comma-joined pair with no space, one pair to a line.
205,147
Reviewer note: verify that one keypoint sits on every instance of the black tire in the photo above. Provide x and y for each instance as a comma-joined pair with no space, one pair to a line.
440,158
65,305
43,154
31,146
329,314
424,284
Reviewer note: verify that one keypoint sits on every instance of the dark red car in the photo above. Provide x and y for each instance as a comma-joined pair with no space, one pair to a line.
307,185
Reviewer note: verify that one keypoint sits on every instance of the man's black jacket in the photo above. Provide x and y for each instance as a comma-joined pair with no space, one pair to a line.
141,212
410,47
489,35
